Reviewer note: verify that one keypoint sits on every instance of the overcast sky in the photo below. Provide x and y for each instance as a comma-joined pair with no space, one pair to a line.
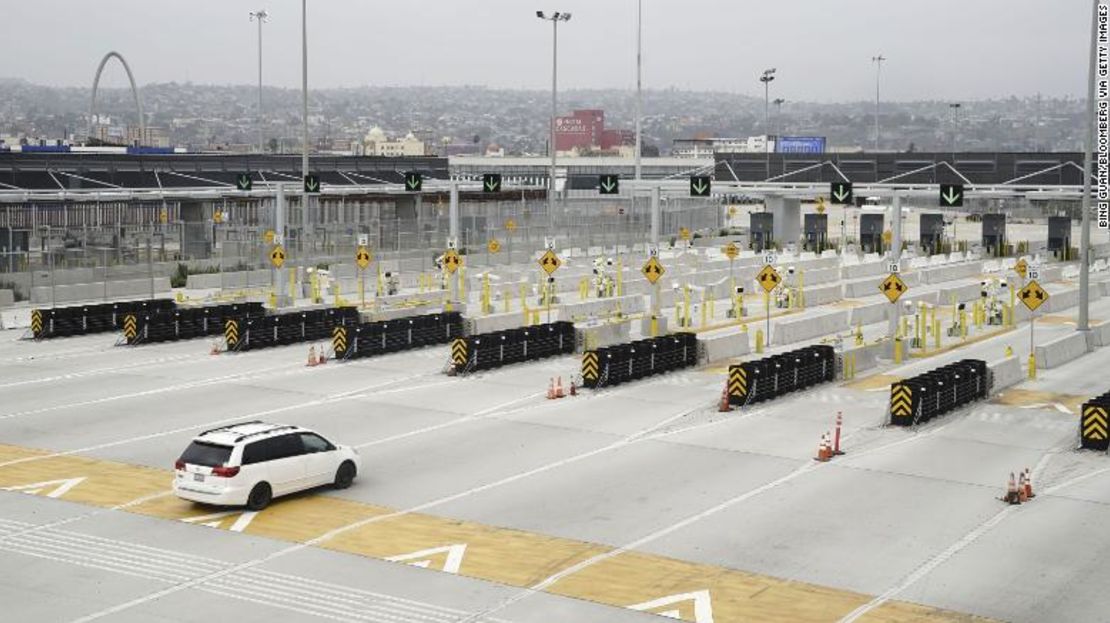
937,49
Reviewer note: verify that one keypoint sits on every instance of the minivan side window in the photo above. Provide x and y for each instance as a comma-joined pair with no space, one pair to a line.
287,446
315,443
259,452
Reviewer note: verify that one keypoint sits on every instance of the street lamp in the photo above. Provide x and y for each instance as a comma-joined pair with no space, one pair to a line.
878,60
261,16
304,98
767,77
955,124
554,18
639,82
778,102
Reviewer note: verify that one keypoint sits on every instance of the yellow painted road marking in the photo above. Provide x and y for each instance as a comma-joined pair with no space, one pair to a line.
875,381
513,557
1025,397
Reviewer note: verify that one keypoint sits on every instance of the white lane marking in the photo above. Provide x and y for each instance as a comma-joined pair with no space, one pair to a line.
244,519
76,518
78,375
805,468
152,392
301,407
58,488
250,564
930,565
423,558
703,606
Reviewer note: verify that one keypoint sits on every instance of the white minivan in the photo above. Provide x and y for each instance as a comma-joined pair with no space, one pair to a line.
251,463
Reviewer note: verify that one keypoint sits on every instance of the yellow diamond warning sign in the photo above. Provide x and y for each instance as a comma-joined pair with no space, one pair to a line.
550,262
1021,268
277,256
1033,295
451,261
768,278
493,246
893,287
363,257
653,270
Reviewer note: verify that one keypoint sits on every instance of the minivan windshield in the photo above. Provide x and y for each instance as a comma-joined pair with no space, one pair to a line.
206,454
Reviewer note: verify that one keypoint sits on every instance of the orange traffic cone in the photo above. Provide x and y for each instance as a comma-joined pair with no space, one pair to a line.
822,449
1029,485
559,388
573,387
1011,491
724,407
312,360
323,358
551,389
1021,488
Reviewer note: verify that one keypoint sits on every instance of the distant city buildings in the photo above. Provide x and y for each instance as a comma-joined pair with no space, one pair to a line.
376,143
706,147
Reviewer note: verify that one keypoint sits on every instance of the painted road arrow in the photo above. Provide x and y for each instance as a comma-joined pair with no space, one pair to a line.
951,195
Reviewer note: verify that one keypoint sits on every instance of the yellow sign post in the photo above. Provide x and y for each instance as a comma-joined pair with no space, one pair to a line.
769,279
893,287
1032,296
362,259
277,256
652,270
550,262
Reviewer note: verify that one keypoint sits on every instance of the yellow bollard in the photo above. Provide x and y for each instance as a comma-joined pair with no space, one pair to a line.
1012,302
801,289
1032,366
963,323
535,316
704,306
583,288
903,329
686,303
1009,351
936,331
620,277
381,281
759,340
897,350
506,300
462,282
654,326
292,284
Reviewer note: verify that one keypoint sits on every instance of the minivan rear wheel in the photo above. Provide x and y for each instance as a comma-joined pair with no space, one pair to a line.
260,497
345,475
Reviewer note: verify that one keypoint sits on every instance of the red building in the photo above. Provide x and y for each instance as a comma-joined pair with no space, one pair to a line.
585,130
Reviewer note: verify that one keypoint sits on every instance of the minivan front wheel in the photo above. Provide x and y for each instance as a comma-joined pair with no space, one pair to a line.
259,497
345,475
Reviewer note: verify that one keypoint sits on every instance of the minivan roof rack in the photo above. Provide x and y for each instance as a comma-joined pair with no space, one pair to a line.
229,427
263,432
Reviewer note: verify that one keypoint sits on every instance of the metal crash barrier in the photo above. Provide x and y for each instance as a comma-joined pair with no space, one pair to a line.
390,336
1093,431
926,396
493,350
622,363
250,333
184,323
88,319
771,377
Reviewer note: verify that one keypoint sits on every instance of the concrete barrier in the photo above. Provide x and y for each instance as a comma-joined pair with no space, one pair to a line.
822,295
858,271
963,293
1099,336
496,322
1061,350
868,356
602,334
724,344
78,293
1006,372
632,304
791,330
870,313
7,298
951,272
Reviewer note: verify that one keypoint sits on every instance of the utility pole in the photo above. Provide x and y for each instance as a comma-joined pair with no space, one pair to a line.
955,125
304,98
639,83
260,16
878,60
767,77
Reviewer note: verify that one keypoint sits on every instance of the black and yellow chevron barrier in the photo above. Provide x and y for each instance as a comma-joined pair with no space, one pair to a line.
36,323
130,328
459,352
231,333
737,384
589,369
901,404
339,342
1093,431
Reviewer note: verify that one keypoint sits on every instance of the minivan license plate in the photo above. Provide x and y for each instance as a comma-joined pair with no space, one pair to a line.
198,477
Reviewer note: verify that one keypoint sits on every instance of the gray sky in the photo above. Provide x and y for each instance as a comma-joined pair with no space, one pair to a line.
938,49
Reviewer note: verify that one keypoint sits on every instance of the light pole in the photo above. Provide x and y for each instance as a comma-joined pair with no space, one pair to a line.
1088,145
778,102
639,83
767,77
260,16
878,60
304,97
955,124
554,18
